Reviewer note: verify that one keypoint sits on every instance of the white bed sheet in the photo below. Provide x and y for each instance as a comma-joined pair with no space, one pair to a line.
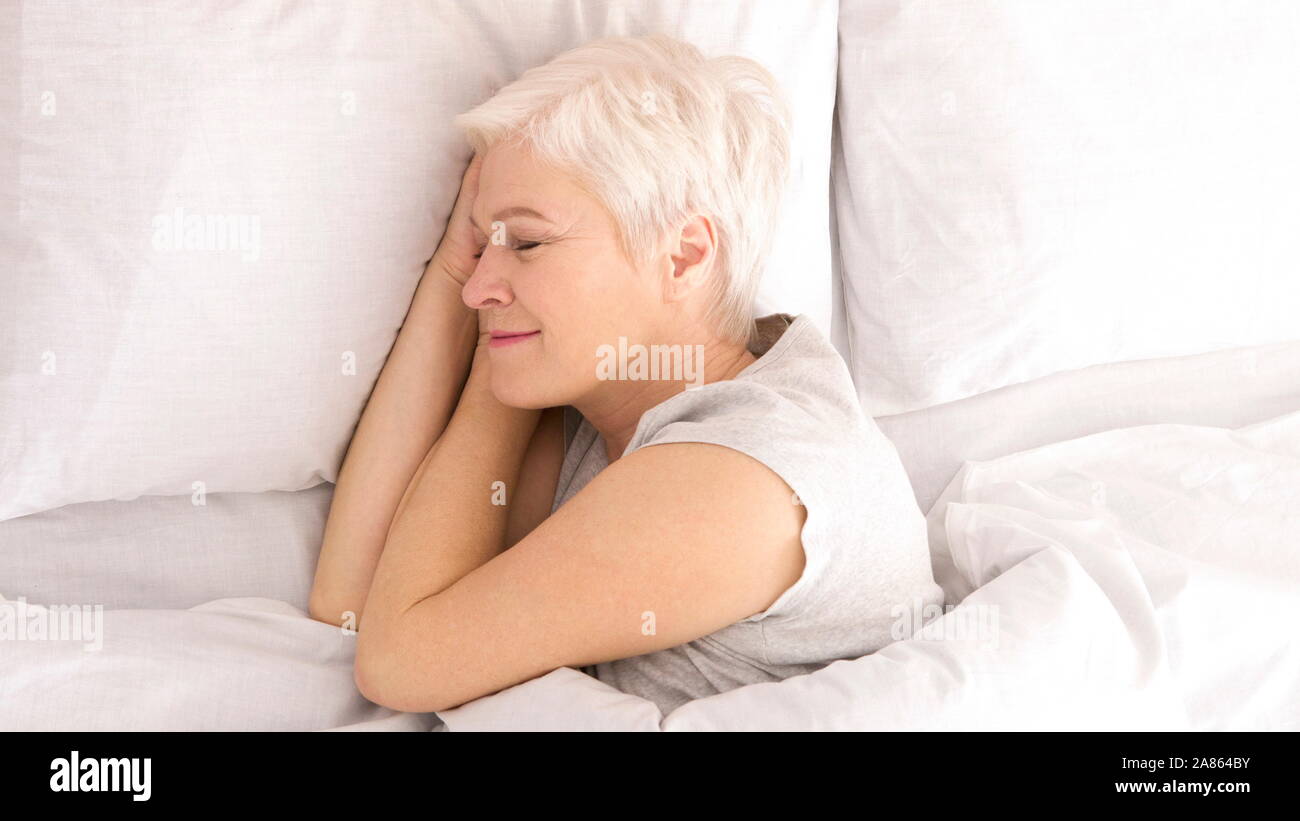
234,655
1138,579
233,664
203,614
1226,389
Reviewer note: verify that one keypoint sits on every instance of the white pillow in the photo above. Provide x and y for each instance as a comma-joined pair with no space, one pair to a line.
1025,188
137,359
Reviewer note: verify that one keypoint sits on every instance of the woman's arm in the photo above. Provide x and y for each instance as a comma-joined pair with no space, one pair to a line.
667,544
406,413
459,493
453,615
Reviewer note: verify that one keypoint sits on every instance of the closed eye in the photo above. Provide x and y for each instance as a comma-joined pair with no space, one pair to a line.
527,246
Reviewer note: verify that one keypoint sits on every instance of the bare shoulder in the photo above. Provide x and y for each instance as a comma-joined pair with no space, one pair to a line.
711,532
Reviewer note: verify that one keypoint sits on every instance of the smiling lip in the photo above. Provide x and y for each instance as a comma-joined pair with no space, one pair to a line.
501,338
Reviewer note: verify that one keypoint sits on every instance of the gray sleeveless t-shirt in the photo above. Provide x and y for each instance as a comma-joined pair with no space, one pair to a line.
865,548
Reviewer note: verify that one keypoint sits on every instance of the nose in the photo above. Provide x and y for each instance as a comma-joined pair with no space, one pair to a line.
485,288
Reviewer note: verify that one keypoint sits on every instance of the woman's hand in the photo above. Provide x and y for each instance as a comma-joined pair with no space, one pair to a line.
456,254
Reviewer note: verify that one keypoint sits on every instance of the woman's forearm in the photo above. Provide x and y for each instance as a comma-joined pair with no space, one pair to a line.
408,409
452,521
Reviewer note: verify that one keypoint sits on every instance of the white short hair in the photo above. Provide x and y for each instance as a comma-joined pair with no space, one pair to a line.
655,131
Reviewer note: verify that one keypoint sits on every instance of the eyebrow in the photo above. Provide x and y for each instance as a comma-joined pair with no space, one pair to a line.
514,211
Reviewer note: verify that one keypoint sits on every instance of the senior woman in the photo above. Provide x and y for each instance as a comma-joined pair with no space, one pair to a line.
673,534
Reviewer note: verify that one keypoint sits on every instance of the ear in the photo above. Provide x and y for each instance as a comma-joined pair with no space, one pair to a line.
691,253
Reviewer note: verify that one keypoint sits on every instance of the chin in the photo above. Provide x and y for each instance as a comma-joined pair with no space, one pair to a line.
516,393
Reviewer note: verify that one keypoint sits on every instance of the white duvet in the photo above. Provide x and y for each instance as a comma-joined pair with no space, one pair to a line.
1142,578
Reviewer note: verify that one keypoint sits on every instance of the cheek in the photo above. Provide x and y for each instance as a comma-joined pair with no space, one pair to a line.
619,297
581,300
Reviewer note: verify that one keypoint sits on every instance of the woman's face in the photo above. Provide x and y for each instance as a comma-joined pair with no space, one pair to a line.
558,272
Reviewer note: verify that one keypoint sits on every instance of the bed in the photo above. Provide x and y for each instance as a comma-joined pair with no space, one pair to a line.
1058,258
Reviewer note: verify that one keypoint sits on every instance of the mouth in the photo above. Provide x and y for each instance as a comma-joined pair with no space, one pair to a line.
502,338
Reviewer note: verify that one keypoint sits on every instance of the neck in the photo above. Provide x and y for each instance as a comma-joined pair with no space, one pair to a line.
616,409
